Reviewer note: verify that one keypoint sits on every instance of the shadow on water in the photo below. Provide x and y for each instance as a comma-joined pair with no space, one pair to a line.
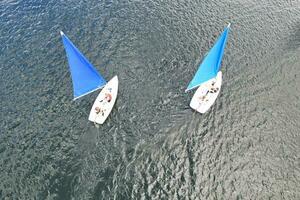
293,41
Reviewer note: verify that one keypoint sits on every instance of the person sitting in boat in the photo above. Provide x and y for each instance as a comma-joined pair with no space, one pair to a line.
202,98
98,110
213,90
108,97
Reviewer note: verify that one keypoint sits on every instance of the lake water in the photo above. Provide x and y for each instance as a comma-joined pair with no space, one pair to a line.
153,146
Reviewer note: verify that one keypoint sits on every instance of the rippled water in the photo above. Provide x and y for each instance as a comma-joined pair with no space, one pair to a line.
153,146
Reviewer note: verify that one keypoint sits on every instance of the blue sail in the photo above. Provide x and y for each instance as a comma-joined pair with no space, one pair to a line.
211,64
85,77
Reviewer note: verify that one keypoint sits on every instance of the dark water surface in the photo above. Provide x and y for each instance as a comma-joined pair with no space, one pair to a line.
153,146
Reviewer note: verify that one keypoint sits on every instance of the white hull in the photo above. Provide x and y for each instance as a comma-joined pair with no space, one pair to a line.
104,102
205,97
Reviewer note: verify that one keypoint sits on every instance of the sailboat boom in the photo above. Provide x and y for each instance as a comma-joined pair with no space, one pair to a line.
88,92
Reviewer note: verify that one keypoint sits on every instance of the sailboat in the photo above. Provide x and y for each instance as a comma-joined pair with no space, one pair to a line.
208,77
86,79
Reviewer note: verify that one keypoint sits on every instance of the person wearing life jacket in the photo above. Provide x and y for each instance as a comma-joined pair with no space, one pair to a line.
108,97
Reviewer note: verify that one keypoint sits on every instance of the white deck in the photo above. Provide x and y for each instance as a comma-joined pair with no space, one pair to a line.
102,106
205,96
